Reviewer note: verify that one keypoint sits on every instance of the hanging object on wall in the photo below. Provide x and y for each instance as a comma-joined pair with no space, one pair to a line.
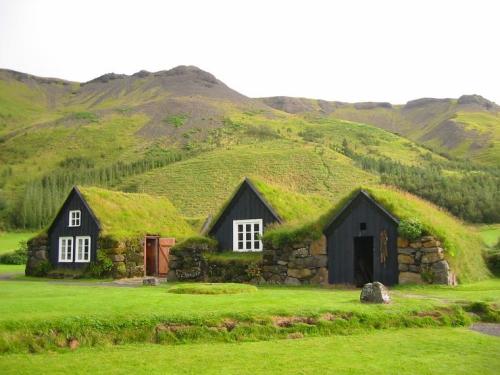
383,246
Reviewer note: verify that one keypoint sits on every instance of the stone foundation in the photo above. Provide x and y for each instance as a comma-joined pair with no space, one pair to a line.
301,263
422,261
38,256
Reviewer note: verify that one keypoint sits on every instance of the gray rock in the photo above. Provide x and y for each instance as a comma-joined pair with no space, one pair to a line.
414,268
292,281
374,293
301,253
282,263
41,254
406,251
403,267
151,281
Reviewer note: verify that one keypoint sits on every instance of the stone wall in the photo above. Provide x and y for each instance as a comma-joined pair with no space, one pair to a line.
422,261
301,263
38,256
117,259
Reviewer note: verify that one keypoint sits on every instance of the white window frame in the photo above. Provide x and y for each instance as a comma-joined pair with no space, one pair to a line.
76,220
63,256
82,259
252,222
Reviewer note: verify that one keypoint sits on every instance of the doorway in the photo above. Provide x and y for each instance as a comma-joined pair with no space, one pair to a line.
156,252
363,260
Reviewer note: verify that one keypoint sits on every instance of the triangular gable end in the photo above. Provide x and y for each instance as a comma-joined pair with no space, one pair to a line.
246,183
339,218
78,193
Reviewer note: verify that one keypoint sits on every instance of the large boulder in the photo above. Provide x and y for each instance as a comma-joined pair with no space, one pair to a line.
374,293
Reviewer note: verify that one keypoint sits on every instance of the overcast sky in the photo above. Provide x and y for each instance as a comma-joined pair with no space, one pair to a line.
336,50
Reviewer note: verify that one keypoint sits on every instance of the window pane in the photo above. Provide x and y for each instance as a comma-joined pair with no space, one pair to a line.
249,227
256,227
249,236
256,236
249,245
240,227
240,245
256,245
240,236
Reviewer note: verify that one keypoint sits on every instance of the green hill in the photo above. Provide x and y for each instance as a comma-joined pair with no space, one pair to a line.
468,127
184,134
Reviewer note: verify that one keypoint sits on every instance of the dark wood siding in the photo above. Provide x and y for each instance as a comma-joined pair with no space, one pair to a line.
340,242
245,205
60,228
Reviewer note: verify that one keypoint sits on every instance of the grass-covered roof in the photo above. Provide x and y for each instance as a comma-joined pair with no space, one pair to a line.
291,207
463,244
122,215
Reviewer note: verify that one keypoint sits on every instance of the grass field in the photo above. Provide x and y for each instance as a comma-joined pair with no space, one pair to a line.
415,351
490,233
9,241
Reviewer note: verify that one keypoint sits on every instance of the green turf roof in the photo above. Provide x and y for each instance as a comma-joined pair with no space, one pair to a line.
122,215
462,242
290,207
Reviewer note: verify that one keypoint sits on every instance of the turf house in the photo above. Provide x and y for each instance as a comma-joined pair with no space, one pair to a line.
105,233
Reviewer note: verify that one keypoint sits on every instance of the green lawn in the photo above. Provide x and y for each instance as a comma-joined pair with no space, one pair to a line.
415,351
490,234
9,241
11,268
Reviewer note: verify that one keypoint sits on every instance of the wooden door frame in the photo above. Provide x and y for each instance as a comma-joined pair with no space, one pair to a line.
157,241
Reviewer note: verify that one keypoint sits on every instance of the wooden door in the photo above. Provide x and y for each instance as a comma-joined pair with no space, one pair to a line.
163,253
150,256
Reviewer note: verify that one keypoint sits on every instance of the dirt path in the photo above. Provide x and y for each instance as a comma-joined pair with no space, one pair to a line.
492,329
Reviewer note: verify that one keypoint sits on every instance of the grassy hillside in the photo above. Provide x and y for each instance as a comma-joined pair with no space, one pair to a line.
200,185
464,128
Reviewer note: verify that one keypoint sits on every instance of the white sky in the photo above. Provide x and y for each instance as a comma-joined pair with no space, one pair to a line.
336,50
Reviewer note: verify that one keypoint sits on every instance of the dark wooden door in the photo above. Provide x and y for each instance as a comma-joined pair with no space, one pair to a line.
363,260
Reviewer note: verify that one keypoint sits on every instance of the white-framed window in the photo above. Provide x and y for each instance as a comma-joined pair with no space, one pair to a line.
65,249
75,218
82,249
247,234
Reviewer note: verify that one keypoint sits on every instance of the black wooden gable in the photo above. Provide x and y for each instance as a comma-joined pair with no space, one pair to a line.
75,193
245,187
346,210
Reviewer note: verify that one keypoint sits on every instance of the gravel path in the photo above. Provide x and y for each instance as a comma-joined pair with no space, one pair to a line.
492,329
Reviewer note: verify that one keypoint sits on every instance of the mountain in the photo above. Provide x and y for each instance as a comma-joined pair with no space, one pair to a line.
185,134
467,127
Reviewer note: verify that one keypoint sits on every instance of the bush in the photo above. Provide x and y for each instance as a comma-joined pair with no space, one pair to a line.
19,256
42,269
411,229
102,267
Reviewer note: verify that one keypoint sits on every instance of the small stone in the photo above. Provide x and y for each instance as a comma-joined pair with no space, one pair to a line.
151,281
406,251
406,259
374,293
431,257
410,278
403,267
416,245
301,253
438,250
402,242
414,268
282,263
299,273
431,243
427,238
321,276
292,281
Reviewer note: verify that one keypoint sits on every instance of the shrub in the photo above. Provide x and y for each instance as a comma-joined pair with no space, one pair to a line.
19,256
41,269
261,131
176,120
102,267
410,229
